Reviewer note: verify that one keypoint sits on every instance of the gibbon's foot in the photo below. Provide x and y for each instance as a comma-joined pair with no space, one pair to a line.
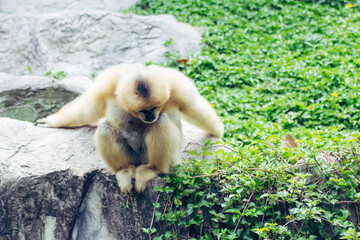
143,174
140,186
125,181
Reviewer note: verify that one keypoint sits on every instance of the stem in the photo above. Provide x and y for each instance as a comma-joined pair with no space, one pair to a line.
265,170
283,226
153,216
207,175
242,214
276,150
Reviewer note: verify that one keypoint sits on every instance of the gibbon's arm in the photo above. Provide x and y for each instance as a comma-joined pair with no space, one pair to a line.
196,109
88,108
91,106
83,110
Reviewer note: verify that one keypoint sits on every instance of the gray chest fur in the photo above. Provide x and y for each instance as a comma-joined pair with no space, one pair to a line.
129,133
132,139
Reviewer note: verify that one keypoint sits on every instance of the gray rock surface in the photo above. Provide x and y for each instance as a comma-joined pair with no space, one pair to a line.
82,43
43,6
29,97
53,183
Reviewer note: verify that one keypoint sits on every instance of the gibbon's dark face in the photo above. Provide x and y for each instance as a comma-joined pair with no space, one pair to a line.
149,115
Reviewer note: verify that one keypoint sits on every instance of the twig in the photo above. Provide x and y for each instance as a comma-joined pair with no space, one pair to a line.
172,227
273,148
153,215
220,145
242,214
206,175
265,170
263,218
268,86
217,145
283,226
301,227
357,213
355,202
259,169
299,165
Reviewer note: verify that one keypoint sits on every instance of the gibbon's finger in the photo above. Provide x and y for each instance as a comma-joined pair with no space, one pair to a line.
41,122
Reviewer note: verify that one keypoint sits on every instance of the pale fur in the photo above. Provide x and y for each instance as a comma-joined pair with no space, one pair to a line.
112,97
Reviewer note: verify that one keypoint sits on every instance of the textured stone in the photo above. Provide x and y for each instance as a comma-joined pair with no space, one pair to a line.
54,183
17,44
82,43
42,6
29,98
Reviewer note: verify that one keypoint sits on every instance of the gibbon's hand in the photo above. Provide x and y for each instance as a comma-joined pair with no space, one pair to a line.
41,122
46,122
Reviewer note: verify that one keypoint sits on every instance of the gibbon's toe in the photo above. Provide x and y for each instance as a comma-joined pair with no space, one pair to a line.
125,189
144,173
140,186
124,181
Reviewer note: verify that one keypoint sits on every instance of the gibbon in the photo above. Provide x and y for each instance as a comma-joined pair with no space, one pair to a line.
138,112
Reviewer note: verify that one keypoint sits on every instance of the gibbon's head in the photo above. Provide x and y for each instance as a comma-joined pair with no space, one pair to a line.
143,95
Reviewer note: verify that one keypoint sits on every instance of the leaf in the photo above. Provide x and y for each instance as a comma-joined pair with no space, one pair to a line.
194,152
182,60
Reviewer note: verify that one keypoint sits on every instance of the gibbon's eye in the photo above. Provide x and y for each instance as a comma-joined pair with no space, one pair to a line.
149,114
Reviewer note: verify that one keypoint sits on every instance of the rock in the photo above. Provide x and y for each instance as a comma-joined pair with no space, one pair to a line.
41,6
29,98
17,53
82,43
53,183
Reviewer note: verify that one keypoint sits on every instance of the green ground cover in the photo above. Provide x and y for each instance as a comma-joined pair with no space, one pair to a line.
270,68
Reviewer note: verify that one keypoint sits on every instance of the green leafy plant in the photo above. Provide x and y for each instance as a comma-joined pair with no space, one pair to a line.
58,75
270,67
29,69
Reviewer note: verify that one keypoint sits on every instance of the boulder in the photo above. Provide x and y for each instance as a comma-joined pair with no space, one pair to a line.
41,6
85,42
53,183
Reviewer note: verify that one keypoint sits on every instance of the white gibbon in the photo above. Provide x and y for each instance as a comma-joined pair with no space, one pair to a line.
138,110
